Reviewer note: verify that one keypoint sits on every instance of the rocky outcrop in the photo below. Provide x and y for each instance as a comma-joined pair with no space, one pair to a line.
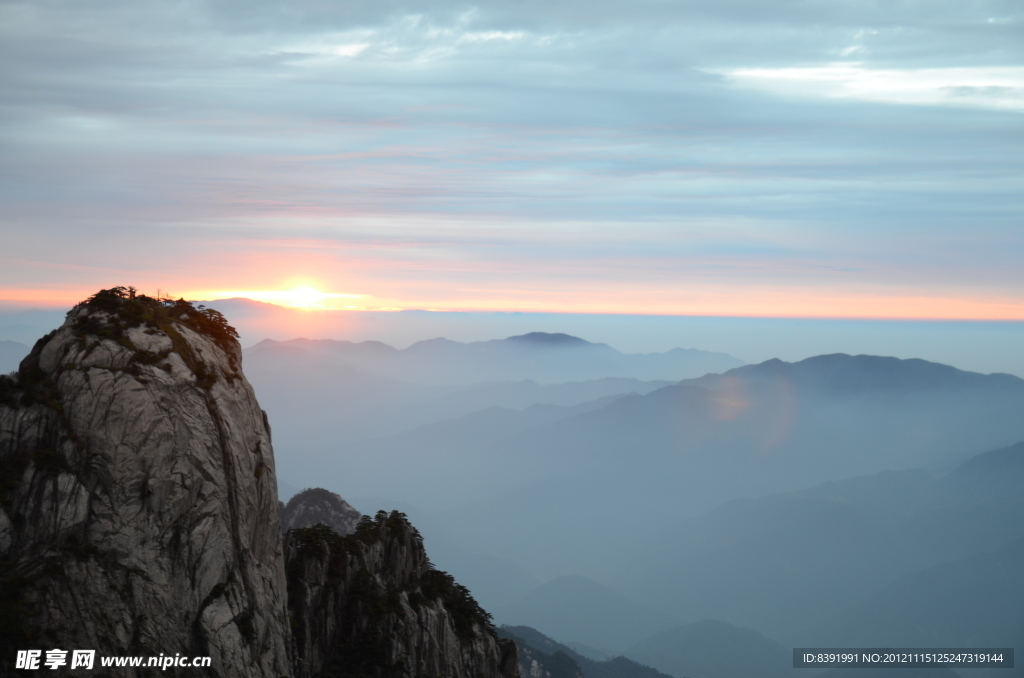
535,664
139,516
542,657
370,605
138,500
317,506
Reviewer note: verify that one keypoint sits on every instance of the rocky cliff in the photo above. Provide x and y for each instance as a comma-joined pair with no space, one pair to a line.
138,506
370,605
139,516
317,506
542,657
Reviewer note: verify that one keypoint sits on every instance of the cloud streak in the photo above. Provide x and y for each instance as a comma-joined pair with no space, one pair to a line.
791,158
983,87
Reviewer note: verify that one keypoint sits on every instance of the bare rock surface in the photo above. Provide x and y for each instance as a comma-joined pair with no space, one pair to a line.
317,506
138,500
371,604
139,517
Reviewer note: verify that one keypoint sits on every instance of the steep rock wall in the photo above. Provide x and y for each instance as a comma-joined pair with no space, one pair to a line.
138,500
370,605
139,516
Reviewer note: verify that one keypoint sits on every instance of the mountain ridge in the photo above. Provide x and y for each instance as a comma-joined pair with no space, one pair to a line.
740,437
543,657
775,563
541,356
139,516
846,372
121,432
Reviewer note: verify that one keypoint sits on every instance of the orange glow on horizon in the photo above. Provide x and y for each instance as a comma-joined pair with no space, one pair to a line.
757,303
300,297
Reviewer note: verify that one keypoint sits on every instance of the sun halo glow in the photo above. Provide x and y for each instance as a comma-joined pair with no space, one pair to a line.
299,297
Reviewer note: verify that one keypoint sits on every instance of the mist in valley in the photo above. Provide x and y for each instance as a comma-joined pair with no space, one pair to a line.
681,510
742,509
679,334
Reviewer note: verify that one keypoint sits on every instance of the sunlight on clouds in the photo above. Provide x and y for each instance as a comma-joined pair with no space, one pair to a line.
350,50
487,36
985,87
409,38
347,44
301,297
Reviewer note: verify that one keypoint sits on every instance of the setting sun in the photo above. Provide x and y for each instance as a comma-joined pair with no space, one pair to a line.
300,297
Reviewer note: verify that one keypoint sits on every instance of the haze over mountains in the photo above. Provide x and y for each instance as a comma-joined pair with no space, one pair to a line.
672,453
539,656
974,345
699,526
11,353
139,517
778,499
339,390
773,563
979,346
578,609
540,356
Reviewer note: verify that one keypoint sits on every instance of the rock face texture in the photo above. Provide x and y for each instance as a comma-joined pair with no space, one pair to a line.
138,500
318,506
371,605
139,516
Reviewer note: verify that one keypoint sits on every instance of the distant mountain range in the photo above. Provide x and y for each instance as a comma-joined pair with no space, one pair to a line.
788,499
621,473
970,602
714,649
540,356
909,559
543,657
705,649
774,563
841,500
315,398
851,375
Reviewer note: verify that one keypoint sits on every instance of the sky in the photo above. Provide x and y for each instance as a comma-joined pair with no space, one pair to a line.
795,158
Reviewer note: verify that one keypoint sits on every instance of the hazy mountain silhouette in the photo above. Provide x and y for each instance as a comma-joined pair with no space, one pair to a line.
627,470
990,475
494,581
973,602
548,339
630,491
981,594
542,357
494,424
315,401
785,562
713,649
535,646
27,325
574,608
839,373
